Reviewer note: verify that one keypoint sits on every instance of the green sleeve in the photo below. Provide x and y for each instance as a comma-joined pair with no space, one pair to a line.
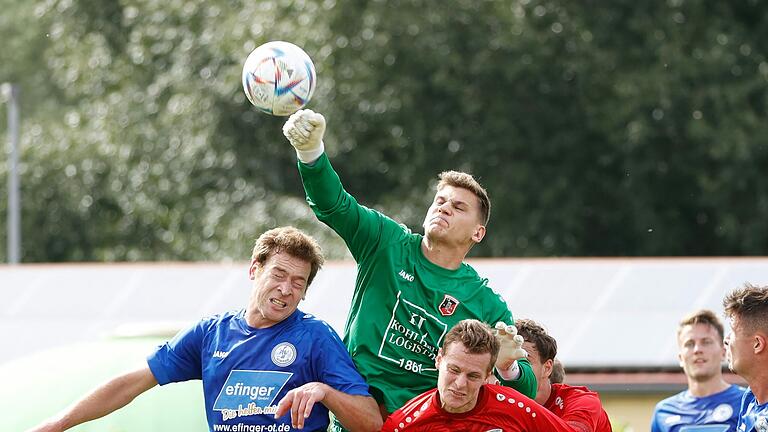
525,383
322,185
362,229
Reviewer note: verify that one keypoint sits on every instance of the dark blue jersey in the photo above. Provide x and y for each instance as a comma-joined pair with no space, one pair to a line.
246,371
686,413
753,417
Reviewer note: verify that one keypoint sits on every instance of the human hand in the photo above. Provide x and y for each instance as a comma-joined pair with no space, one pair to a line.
511,347
304,130
300,401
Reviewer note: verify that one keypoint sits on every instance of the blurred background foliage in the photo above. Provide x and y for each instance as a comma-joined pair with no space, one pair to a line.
616,128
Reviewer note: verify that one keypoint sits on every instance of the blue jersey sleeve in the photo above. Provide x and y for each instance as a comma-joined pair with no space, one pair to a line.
180,358
334,366
655,420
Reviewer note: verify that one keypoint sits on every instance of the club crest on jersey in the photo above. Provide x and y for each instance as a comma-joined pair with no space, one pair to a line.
722,413
448,306
283,354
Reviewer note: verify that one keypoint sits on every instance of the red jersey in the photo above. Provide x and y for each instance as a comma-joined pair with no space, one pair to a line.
580,407
498,409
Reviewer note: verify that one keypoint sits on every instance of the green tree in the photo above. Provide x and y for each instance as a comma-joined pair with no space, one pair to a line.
617,128
599,129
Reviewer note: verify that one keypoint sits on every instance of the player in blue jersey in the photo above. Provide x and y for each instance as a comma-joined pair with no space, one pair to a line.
747,344
709,404
268,364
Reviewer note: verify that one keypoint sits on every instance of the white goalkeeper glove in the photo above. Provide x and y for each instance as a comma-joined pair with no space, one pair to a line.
304,130
510,351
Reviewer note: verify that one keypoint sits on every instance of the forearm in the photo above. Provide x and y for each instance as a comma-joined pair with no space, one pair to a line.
356,413
526,383
322,185
105,399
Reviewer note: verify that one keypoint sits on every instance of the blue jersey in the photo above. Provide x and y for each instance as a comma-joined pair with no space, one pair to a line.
246,371
752,416
686,413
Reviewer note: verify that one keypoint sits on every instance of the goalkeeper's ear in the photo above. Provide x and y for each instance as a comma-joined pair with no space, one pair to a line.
478,234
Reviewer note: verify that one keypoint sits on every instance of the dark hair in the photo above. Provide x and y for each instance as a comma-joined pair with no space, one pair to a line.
703,316
558,372
750,304
466,181
476,337
534,333
293,242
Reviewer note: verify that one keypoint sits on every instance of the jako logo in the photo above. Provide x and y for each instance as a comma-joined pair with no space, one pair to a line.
220,354
406,276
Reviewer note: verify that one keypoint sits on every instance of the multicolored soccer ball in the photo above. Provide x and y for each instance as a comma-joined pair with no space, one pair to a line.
279,78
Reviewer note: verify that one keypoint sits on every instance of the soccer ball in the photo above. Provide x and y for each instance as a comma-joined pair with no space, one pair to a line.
279,78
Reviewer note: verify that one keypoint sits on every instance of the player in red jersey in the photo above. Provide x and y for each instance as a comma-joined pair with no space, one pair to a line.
578,406
463,401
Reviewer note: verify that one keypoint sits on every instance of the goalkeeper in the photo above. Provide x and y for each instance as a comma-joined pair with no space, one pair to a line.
410,289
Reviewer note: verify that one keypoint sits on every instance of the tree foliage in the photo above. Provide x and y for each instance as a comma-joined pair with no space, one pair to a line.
618,128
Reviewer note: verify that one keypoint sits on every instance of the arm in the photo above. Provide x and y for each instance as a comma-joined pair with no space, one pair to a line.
361,228
356,413
654,420
305,130
107,398
511,350
525,382
512,366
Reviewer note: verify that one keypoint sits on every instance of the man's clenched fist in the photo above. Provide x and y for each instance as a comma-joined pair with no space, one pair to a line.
305,130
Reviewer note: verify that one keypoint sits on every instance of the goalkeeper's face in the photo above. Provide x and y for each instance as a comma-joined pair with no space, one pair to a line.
454,217
460,376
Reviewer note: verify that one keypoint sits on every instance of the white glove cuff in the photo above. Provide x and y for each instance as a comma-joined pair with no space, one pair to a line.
309,156
510,374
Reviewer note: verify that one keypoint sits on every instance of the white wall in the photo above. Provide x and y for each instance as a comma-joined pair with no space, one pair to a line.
603,312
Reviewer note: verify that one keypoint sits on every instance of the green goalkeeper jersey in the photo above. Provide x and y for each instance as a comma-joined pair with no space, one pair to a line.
403,304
